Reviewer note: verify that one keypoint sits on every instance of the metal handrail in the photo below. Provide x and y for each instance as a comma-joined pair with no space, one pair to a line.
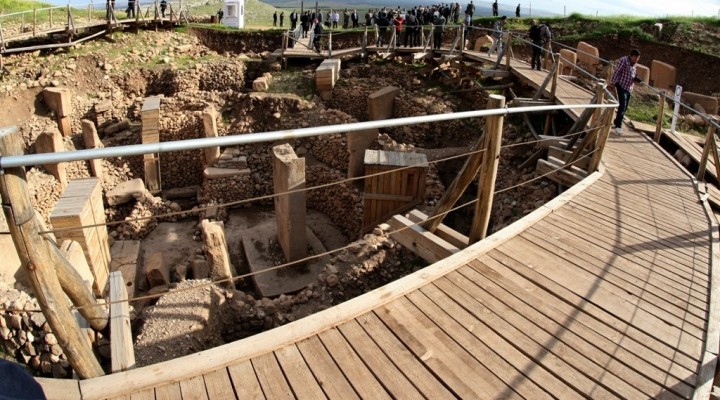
241,139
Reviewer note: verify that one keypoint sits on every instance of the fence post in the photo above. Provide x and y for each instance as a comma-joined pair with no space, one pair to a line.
508,43
22,23
661,115
364,43
34,21
35,254
710,145
51,19
599,99
330,45
556,72
605,124
488,171
462,38
548,50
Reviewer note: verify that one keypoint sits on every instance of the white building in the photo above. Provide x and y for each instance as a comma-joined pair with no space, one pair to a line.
234,13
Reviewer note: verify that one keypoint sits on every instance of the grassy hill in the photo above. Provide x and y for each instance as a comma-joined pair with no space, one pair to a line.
10,6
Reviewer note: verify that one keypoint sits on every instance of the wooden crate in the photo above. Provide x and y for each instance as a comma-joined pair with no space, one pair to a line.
81,205
395,192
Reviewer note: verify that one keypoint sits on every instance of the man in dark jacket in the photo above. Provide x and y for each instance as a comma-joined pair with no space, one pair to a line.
317,33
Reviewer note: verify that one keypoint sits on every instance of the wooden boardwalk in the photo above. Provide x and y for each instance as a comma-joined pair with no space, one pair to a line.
604,292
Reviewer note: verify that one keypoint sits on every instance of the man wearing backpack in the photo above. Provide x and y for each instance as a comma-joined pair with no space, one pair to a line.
470,9
535,36
497,36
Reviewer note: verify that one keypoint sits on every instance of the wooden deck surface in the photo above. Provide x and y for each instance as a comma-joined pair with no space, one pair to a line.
606,295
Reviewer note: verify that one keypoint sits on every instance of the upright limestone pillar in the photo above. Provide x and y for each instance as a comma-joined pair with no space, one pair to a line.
92,141
212,154
289,175
51,142
59,101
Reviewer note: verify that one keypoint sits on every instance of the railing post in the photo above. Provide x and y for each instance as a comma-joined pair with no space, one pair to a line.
34,21
488,171
508,42
548,50
2,38
51,19
35,254
660,117
710,145
599,99
604,126
556,72
462,39
364,44
22,23
330,45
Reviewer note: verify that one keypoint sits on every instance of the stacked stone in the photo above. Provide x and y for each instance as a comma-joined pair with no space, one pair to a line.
180,168
224,190
342,203
27,337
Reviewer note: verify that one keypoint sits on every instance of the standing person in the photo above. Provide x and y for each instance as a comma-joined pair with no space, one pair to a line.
305,23
470,9
336,19
517,11
355,17
468,23
411,25
439,29
382,23
293,20
497,36
398,22
131,9
495,9
346,19
624,77
163,7
275,18
535,35
317,32
282,17
456,13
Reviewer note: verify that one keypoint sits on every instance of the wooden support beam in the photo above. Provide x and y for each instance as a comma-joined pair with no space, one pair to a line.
709,143
602,140
552,168
443,231
36,257
122,353
488,171
418,240
715,153
556,73
661,114
565,155
599,99
547,80
579,125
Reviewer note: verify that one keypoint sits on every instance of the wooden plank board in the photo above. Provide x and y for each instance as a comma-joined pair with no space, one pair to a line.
218,385
271,378
59,389
393,379
193,388
121,341
148,394
418,240
362,380
486,355
443,231
329,376
302,381
465,376
245,381
605,352
170,391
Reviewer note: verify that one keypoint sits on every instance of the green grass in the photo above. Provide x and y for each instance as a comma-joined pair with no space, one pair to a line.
11,6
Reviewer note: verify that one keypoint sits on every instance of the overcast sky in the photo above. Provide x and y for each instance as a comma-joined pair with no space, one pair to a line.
632,7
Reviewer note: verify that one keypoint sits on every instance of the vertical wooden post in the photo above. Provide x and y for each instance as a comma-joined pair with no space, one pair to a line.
364,44
711,133
548,50
709,143
556,72
330,45
22,23
606,120
660,117
548,123
611,69
34,21
51,21
121,345
599,99
462,38
35,255
488,171
508,43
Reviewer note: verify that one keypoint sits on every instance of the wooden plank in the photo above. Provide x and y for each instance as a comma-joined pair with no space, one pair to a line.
421,242
271,378
352,366
553,169
59,389
244,381
125,259
297,372
466,377
121,341
170,391
604,352
394,379
218,385
193,388
443,231
148,394
484,354
329,376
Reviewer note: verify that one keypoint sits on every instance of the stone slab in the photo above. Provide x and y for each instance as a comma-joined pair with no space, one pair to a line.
125,192
380,103
126,259
643,72
663,75
217,173
483,42
709,103
588,56
52,142
260,84
290,209
58,100
569,59
258,240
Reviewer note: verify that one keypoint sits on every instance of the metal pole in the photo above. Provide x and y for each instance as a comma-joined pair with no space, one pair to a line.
676,111
236,139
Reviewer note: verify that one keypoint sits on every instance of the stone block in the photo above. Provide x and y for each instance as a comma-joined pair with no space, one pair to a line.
357,143
126,255
73,252
125,192
92,141
52,142
643,72
210,126
380,103
216,251
708,103
483,42
156,270
59,100
260,85
65,126
290,210
662,75
326,76
217,173
268,77
569,59
588,56
200,269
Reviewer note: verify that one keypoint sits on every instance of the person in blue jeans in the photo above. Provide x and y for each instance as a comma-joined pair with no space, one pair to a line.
623,78
16,383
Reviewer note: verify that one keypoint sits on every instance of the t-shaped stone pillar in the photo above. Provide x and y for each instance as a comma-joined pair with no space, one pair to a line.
289,175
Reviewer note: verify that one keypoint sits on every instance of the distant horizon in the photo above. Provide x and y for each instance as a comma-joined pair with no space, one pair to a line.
637,8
